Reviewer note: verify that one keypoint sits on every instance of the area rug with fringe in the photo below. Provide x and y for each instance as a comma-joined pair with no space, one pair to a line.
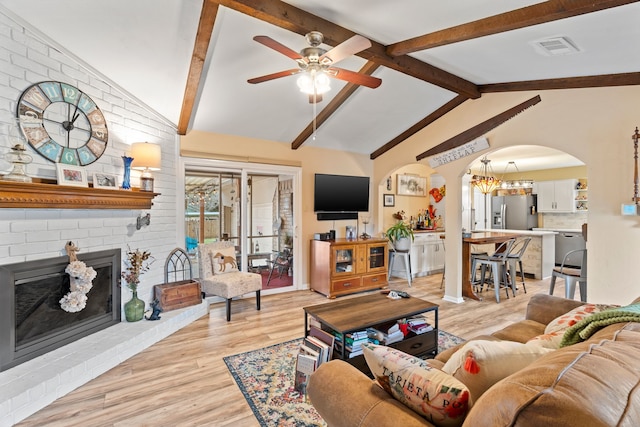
266,379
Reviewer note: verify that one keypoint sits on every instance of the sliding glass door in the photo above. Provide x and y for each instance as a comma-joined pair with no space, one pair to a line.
252,207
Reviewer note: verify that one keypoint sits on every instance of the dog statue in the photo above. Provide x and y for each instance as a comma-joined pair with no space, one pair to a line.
224,260
155,315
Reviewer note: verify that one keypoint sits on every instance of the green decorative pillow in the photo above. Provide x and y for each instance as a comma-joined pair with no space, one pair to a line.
479,364
440,398
224,261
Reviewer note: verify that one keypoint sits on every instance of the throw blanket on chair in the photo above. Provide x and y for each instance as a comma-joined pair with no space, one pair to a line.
588,326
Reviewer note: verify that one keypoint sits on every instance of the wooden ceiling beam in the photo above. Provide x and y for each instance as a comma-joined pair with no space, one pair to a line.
540,13
332,106
605,80
284,15
200,48
480,129
419,126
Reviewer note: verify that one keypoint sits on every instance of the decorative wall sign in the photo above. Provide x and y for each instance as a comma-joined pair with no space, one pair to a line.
459,152
411,185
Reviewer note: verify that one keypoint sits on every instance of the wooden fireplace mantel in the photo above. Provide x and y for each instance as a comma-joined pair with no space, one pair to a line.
53,196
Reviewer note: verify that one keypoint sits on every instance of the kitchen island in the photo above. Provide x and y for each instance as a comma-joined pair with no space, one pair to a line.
539,258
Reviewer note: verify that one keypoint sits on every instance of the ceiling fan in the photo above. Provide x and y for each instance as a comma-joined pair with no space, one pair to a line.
317,64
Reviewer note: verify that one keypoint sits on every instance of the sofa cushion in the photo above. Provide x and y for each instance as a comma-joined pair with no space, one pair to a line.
551,340
594,383
224,261
440,398
556,328
521,331
346,397
480,364
562,323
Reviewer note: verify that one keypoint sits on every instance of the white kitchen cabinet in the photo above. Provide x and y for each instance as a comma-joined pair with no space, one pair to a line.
427,256
434,254
557,196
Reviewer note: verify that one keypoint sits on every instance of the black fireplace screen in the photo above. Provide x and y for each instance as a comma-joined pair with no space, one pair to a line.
33,321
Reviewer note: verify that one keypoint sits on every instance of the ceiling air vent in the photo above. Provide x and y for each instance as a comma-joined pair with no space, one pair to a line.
553,46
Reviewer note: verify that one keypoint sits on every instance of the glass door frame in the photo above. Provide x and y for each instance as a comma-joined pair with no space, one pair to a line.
244,169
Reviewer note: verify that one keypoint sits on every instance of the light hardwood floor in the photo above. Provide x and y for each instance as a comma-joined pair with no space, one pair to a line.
183,381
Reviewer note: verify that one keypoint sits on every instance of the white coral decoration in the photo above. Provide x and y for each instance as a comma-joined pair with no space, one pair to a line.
73,301
81,278
76,268
83,286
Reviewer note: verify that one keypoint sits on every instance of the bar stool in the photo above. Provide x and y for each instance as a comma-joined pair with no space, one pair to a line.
515,259
498,263
407,262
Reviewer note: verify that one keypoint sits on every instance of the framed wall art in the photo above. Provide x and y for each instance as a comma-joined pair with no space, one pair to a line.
71,175
411,185
105,180
389,200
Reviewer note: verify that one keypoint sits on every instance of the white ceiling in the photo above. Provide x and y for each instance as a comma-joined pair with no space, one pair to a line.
145,47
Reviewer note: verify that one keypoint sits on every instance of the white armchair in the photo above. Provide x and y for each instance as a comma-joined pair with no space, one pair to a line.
219,274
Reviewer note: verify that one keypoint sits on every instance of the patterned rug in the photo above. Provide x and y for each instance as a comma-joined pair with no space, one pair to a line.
265,377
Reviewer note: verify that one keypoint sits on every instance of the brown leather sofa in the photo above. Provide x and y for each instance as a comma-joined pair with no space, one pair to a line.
593,383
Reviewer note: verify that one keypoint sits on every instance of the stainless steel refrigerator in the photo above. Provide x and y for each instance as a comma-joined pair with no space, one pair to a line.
514,212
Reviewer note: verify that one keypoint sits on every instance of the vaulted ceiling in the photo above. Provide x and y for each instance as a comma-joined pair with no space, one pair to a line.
190,60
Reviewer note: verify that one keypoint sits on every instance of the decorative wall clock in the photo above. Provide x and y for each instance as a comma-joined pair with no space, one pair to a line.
62,123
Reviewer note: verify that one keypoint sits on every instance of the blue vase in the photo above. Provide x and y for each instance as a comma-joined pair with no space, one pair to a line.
126,182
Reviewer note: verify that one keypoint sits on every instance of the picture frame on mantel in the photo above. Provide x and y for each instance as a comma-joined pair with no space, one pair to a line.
105,180
389,200
411,185
71,175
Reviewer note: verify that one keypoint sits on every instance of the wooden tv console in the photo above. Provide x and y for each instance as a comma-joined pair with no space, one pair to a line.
345,266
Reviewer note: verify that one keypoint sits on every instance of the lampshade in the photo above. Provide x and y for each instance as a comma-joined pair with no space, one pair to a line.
486,182
146,156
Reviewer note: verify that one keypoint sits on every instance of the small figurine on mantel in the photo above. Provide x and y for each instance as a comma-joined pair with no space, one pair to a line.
71,250
156,310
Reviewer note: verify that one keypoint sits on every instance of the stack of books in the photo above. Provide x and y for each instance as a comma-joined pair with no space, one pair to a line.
386,334
419,325
353,343
316,348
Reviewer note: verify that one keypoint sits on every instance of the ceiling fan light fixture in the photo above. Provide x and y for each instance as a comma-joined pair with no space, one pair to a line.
313,83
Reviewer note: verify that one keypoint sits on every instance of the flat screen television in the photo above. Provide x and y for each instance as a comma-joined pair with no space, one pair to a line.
341,194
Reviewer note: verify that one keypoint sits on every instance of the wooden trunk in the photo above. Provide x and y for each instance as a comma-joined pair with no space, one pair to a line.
176,295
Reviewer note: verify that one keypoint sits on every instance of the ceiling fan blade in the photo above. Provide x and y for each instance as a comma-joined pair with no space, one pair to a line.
353,77
278,47
315,98
347,48
273,76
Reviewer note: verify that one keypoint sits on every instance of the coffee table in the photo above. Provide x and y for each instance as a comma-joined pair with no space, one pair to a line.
349,315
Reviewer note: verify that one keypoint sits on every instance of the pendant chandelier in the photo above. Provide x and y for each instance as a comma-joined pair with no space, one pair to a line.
518,183
486,182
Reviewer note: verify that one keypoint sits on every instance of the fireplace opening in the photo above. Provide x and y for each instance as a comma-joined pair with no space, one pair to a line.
32,320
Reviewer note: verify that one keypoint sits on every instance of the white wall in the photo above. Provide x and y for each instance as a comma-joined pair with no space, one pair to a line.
594,125
31,234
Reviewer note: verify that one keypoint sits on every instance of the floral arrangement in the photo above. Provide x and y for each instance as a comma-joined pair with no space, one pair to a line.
81,283
137,263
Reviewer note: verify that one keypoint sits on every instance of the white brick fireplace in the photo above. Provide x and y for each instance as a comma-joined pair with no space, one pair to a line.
28,57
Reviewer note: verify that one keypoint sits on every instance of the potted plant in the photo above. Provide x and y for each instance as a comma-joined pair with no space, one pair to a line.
399,235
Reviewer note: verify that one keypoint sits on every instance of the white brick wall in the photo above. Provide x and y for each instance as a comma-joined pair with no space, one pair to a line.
31,234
